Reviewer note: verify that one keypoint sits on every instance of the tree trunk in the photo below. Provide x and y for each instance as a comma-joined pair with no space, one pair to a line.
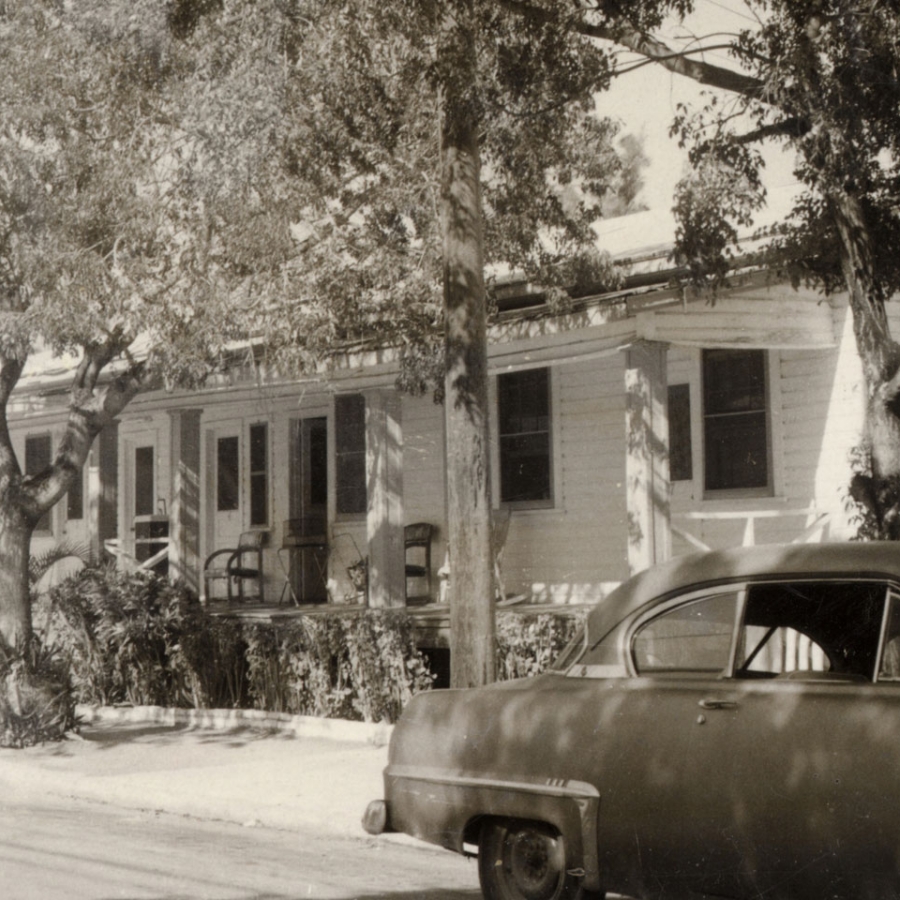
24,499
15,599
472,628
878,491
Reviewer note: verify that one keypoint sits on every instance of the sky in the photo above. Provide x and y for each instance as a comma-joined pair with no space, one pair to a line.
644,102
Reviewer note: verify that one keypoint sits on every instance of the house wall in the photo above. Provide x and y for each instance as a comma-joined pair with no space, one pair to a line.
816,418
575,549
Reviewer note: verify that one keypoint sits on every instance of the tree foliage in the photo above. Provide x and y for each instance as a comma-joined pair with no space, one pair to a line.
340,106
821,79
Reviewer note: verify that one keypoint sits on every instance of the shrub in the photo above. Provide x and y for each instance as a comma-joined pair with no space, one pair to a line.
362,666
138,639
36,701
121,635
528,644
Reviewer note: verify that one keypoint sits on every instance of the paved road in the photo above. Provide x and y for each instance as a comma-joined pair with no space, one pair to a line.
76,850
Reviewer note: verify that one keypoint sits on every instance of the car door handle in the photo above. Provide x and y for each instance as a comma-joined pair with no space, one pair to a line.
710,703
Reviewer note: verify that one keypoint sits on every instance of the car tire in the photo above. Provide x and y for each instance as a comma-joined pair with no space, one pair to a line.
524,860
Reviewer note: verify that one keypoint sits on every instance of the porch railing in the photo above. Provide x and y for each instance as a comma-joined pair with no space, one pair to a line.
813,531
128,562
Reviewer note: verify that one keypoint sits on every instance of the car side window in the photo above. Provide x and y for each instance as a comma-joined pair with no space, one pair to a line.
691,639
889,669
811,630
770,652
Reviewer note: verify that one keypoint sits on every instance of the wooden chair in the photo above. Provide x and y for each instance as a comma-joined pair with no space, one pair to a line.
237,565
417,537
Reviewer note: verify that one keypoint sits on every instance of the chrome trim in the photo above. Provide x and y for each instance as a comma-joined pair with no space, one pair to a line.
552,787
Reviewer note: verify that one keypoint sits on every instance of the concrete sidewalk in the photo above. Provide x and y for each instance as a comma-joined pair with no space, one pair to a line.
253,769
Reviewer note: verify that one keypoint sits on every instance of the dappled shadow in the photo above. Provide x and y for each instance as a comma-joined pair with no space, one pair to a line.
428,894
110,736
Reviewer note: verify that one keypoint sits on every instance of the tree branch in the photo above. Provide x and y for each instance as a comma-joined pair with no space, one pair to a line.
796,126
679,63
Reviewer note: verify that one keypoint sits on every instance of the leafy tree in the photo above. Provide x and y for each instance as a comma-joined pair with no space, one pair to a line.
415,144
306,173
522,167
100,239
820,78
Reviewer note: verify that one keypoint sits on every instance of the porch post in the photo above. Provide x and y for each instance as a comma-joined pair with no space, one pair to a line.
647,455
184,514
384,484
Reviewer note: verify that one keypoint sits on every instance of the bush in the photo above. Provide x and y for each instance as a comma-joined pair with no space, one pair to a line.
36,699
363,666
138,639
129,638
528,644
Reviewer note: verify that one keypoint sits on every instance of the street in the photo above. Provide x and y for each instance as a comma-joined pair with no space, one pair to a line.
78,850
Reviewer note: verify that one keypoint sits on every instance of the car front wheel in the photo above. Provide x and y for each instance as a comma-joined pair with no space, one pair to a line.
521,860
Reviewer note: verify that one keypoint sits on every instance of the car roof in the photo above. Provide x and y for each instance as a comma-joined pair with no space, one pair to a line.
876,559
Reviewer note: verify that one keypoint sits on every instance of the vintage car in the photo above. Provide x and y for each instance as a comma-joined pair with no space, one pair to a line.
726,725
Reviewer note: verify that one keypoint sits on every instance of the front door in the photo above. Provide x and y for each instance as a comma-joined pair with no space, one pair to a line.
308,526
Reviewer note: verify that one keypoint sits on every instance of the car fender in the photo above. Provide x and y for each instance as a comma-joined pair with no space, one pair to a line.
444,807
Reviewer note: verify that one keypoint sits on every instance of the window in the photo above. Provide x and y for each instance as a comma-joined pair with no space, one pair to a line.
227,474
75,497
694,638
144,481
735,420
259,474
681,463
889,670
523,400
811,630
38,456
350,453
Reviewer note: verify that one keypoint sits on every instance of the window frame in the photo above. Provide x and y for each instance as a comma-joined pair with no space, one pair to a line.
768,415
45,525
552,433
743,588
352,454
257,475
642,620
220,485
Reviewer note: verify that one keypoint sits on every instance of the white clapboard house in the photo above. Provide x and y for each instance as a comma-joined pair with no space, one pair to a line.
637,425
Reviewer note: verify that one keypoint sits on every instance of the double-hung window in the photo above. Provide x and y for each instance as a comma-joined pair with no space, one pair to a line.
525,440
259,474
350,453
736,421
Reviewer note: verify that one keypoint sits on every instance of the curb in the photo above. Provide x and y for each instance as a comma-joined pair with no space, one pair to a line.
376,733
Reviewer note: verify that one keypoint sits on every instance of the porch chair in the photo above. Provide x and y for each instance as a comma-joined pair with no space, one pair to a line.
417,537
241,563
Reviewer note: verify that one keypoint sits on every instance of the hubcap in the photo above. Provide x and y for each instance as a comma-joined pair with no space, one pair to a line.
533,864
